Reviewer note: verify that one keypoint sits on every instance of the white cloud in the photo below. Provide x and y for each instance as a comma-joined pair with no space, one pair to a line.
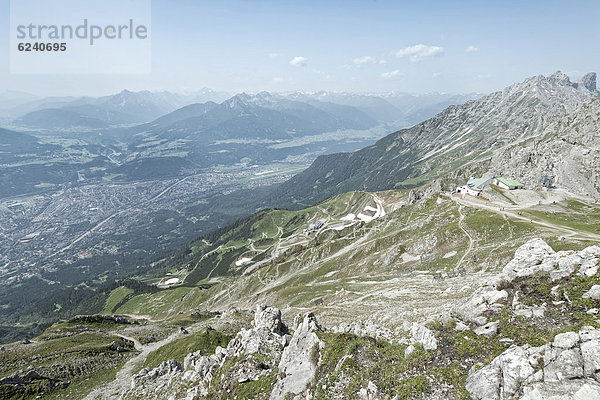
419,51
274,55
436,74
391,74
278,80
298,61
471,49
365,60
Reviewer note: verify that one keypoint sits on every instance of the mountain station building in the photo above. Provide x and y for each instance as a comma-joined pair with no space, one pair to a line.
475,186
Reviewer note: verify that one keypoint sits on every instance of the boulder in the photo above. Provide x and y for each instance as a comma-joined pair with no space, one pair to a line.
566,368
536,256
562,364
501,379
421,335
460,327
527,259
566,340
269,318
587,333
482,300
593,293
590,352
266,336
577,389
369,393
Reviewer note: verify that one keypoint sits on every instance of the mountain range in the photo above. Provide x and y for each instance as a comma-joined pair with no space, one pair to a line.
462,140
127,108
404,109
124,108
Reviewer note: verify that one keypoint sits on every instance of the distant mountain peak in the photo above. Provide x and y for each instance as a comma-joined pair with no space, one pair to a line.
560,77
239,100
588,81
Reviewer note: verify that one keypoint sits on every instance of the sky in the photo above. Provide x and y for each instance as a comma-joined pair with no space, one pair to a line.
356,46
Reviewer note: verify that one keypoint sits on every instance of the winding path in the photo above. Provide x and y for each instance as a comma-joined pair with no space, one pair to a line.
461,224
513,212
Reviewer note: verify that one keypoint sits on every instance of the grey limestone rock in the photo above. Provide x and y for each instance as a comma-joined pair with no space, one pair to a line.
297,367
566,368
593,293
421,335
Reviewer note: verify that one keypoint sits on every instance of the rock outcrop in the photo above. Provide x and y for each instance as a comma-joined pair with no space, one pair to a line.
533,257
285,364
365,328
297,366
481,301
421,335
267,337
536,256
289,357
30,377
567,368
593,293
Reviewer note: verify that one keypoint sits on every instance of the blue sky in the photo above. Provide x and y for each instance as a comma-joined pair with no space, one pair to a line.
360,46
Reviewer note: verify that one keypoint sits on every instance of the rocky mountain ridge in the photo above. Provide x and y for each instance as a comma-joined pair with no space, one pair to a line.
460,141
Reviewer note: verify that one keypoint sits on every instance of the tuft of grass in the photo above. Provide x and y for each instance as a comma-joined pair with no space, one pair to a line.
206,341
366,359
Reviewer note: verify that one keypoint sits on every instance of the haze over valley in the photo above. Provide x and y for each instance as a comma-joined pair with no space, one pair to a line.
84,198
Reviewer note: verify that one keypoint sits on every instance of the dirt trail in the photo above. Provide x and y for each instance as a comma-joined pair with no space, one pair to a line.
462,227
514,213
113,390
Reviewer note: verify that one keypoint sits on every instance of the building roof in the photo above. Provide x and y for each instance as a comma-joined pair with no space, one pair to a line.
509,182
477,183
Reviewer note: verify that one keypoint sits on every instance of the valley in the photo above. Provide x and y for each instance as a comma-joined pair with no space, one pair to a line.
83,205
210,278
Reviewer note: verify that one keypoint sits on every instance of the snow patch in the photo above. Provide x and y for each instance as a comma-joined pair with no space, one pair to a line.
450,254
365,218
242,261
